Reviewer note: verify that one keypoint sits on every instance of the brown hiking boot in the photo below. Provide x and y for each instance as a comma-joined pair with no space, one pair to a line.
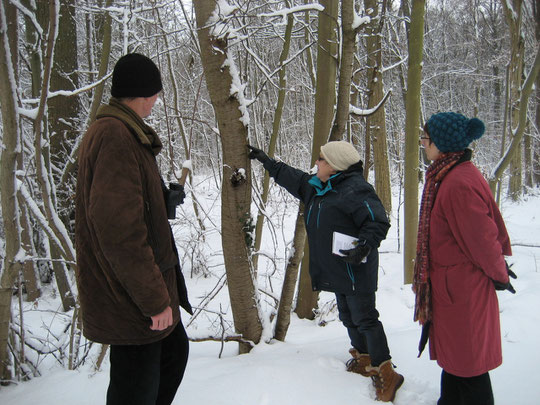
386,381
359,362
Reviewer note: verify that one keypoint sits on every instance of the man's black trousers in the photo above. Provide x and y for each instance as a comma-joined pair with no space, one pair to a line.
148,374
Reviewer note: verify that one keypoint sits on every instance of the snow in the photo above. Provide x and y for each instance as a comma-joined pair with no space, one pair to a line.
309,367
221,29
284,12
187,165
358,21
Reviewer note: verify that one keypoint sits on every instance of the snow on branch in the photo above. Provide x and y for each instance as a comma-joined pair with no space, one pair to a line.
29,14
284,12
38,215
218,20
221,29
358,21
364,113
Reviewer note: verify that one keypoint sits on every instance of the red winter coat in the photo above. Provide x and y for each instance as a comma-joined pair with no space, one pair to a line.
467,242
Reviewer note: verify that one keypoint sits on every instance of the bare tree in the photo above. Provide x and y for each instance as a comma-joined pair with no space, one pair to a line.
8,183
325,98
412,132
226,93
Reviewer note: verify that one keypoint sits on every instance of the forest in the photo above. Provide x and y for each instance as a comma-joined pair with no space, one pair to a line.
284,75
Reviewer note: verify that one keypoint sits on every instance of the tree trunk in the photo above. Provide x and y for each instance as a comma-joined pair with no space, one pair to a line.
106,45
236,185
517,54
348,45
10,210
63,112
180,124
291,276
376,123
412,133
517,133
275,134
29,270
325,99
44,177
536,139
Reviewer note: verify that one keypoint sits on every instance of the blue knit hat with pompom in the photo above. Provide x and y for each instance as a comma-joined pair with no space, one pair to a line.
453,132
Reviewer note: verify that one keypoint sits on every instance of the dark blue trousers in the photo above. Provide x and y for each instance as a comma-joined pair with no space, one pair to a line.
361,318
465,390
148,374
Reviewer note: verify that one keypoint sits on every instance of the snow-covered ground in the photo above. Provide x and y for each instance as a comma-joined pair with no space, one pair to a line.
309,367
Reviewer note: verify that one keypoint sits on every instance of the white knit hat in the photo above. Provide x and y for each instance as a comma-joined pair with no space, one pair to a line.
340,155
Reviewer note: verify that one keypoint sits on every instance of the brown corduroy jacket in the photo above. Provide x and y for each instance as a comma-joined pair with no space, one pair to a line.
127,264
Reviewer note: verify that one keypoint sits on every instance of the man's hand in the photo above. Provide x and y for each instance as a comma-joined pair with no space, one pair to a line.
358,254
257,154
163,320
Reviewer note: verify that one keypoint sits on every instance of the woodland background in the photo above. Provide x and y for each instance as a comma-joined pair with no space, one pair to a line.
284,75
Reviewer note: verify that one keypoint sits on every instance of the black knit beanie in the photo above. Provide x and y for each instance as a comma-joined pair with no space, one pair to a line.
135,75
453,132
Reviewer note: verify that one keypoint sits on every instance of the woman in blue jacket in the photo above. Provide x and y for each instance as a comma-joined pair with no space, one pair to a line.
339,201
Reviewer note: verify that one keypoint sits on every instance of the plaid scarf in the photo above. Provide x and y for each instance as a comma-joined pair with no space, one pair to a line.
421,284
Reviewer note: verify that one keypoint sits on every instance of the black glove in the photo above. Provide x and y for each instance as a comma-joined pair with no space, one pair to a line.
357,254
506,286
174,196
257,154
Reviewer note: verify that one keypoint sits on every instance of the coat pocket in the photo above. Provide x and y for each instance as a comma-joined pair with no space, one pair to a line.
451,285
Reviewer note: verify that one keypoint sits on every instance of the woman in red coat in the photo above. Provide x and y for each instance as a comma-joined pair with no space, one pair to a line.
462,241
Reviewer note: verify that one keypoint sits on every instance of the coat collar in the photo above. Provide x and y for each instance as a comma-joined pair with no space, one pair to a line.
146,135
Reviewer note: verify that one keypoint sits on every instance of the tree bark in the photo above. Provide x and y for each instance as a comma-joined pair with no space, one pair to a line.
376,123
517,54
412,133
10,210
42,157
517,133
236,184
291,276
536,139
325,99
63,112
348,45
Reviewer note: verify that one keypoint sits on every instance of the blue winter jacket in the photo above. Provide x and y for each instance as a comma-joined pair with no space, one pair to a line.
348,204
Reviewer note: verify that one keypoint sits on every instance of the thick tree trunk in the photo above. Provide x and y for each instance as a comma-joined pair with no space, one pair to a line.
63,112
325,99
412,133
236,185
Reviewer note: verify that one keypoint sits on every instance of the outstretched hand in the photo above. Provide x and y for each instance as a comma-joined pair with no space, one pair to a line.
258,154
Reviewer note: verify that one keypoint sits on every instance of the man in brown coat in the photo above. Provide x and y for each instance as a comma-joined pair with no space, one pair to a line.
129,279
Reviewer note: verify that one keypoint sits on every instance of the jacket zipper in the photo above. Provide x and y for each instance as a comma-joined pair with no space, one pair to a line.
351,275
